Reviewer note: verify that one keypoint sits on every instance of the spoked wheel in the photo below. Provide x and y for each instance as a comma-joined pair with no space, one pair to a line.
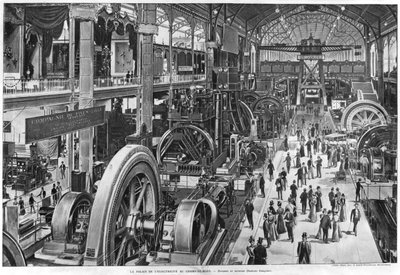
123,222
362,114
12,252
189,140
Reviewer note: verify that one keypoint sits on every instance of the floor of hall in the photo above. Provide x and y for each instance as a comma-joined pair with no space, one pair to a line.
350,248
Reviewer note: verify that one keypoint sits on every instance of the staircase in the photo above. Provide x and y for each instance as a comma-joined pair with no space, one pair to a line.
365,91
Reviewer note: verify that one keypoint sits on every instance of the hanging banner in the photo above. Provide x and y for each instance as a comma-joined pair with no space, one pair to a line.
44,127
230,40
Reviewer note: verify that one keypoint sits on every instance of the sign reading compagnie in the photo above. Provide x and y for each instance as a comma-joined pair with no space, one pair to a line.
42,127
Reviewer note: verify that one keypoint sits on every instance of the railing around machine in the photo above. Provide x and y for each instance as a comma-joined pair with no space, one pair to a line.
232,234
33,233
367,194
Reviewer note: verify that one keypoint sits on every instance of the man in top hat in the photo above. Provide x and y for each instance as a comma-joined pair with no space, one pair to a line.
355,217
288,160
303,200
260,253
262,185
293,189
250,250
358,189
304,250
325,224
248,207
332,200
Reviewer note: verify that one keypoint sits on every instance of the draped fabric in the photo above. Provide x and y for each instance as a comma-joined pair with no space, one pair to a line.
48,147
47,17
102,36
49,20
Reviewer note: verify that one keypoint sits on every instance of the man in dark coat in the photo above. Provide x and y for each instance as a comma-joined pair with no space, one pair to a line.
300,176
262,185
309,146
260,253
325,224
293,189
249,212
305,171
278,184
332,198
288,161
303,200
358,189
304,250
355,217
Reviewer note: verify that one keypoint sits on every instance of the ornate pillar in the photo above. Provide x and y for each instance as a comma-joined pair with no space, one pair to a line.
70,136
147,28
322,81
171,58
367,46
192,27
210,45
87,14
379,48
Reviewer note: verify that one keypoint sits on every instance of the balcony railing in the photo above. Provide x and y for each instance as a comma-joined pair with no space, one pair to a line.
178,78
115,81
13,87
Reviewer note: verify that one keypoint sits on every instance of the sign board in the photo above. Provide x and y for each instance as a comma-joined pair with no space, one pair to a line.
310,57
6,126
148,29
43,127
246,53
185,69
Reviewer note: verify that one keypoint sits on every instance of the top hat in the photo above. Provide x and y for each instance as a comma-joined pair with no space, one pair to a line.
260,240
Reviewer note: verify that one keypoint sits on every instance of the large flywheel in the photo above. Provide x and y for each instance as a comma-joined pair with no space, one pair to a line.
12,252
70,219
185,143
195,227
362,114
378,136
123,224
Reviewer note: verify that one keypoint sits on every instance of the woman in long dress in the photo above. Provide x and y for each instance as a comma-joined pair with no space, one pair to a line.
313,215
336,233
334,157
319,234
342,213
318,194
302,154
298,160
270,227
280,224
